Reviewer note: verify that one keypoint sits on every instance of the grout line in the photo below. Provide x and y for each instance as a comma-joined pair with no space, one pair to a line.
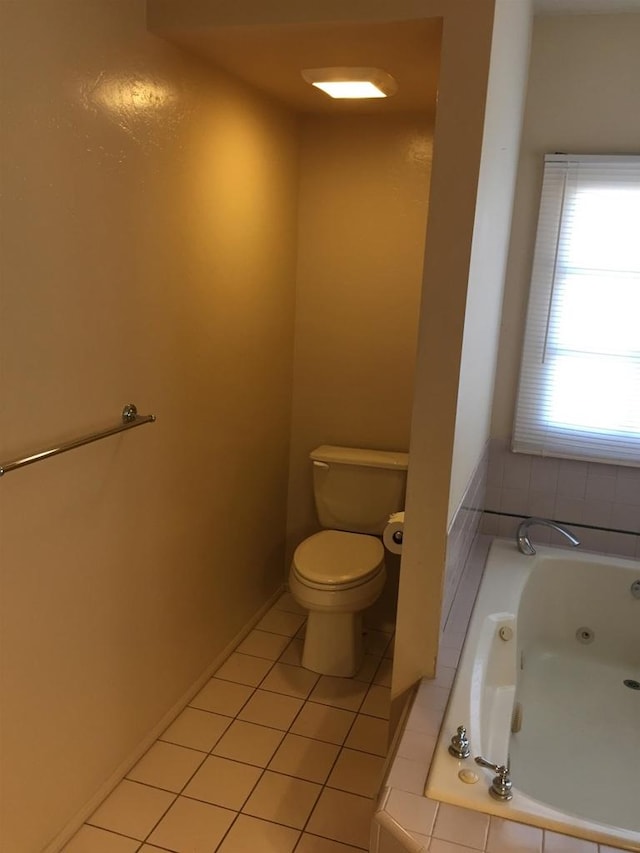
365,685
568,523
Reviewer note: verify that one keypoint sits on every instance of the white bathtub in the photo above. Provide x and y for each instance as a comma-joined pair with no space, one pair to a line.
575,763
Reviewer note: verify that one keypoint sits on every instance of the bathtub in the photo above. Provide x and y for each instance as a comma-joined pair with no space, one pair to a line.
552,652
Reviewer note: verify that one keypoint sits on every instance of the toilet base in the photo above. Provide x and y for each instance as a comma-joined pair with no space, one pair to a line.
333,643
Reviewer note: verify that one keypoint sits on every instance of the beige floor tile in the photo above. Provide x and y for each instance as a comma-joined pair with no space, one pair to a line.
389,652
288,602
342,817
192,827
250,834
384,673
148,848
304,758
369,734
370,664
339,692
271,709
357,772
377,702
223,783
314,844
244,669
196,729
282,799
290,680
376,643
221,697
248,743
281,622
323,722
293,653
261,644
132,809
167,766
90,839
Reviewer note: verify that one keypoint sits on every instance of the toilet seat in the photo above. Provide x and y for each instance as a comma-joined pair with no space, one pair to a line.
335,559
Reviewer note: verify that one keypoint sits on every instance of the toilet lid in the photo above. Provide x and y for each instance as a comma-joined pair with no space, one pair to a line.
337,557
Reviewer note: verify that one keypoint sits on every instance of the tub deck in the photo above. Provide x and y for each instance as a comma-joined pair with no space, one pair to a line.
408,819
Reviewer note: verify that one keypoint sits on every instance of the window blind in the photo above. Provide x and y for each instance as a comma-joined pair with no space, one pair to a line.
579,390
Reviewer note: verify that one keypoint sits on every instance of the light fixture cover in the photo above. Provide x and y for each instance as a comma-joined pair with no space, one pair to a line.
346,82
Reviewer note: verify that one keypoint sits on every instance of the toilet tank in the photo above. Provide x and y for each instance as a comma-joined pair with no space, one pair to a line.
357,490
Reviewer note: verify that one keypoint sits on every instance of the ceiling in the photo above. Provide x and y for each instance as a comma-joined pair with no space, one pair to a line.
271,58
585,7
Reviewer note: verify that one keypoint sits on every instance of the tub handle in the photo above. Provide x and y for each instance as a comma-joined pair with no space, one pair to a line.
459,746
500,788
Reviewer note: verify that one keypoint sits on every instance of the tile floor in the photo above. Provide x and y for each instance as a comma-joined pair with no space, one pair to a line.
267,758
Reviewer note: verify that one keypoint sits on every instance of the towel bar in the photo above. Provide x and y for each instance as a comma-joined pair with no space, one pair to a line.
130,419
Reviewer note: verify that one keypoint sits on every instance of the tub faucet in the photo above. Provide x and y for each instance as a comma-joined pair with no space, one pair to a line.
522,536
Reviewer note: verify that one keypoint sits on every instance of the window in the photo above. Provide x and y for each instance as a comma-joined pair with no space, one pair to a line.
579,393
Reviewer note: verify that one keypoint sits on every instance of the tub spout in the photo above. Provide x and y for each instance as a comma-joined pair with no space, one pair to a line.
522,536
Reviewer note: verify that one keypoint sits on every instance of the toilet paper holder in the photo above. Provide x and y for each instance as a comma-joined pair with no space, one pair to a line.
393,533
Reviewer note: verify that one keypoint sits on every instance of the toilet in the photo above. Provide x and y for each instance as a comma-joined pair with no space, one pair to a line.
339,572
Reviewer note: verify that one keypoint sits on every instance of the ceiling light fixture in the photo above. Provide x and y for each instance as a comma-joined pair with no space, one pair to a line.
344,82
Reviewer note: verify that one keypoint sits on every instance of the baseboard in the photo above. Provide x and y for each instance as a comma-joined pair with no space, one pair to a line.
73,825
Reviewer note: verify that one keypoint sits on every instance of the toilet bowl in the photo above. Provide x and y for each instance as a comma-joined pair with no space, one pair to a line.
336,575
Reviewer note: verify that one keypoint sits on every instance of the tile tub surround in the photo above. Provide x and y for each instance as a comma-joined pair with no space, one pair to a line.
406,820
463,530
267,757
601,502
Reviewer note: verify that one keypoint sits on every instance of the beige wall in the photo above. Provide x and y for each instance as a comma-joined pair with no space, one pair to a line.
466,48
582,99
498,167
363,207
148,228
161,270
483,62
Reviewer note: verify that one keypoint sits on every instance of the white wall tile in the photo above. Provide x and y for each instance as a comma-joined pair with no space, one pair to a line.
568,510
417,746
572,479
628,486
412,812
625,517
388,843
517,471
600,488
622,544
542,504
506,836
495,467
440,846
556,843
407,775
462,826
544,475
490,524
515,500
597,513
